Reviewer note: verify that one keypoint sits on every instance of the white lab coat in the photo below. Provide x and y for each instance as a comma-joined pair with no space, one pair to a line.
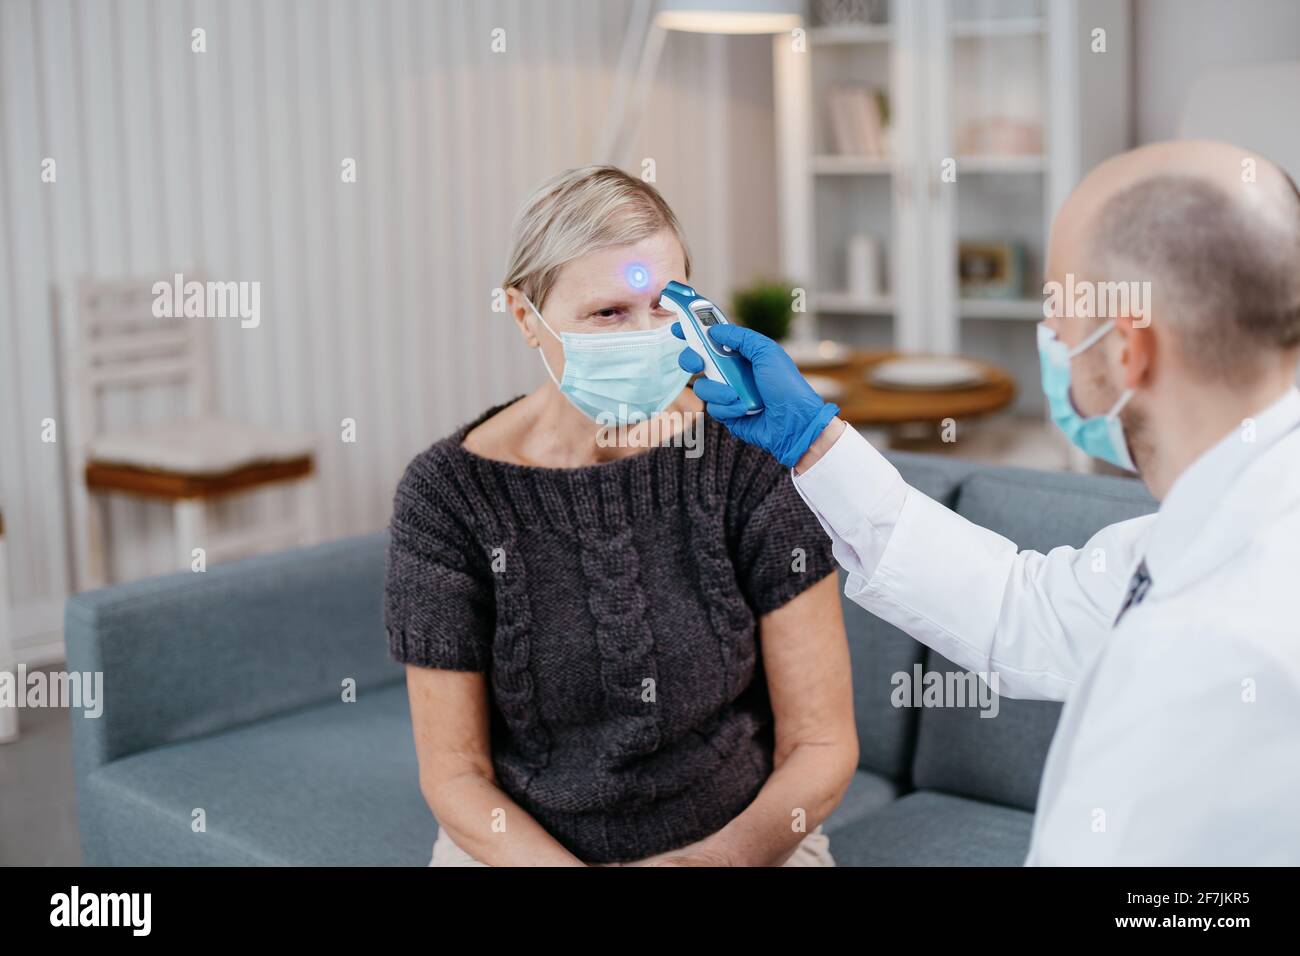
1179,741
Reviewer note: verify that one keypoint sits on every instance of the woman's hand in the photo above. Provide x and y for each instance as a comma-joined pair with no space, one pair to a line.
806,661
702,853
451,723
695,858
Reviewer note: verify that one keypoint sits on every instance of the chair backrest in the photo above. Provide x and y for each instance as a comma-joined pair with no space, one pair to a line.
119,343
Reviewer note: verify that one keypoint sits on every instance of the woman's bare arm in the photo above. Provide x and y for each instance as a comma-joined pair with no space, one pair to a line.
806,660
449,714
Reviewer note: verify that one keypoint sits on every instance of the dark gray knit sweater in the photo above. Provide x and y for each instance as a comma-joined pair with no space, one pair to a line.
614,609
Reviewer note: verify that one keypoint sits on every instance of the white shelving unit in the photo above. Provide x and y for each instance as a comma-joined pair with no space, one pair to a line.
949,68
845,303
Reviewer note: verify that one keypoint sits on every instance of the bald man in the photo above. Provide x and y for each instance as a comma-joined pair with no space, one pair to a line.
1178,658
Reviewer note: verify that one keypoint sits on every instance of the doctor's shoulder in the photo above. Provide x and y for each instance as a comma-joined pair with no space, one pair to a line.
1236,626
1257,591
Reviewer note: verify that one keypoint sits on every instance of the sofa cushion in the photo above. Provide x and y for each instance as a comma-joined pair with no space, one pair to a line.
1044,510
935,829
997,758
191,654
867,793
333,784
1001,758
198,446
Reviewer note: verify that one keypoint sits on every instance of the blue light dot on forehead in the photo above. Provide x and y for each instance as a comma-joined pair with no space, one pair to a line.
637,275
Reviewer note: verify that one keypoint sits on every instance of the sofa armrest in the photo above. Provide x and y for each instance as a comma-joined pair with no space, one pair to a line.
190,654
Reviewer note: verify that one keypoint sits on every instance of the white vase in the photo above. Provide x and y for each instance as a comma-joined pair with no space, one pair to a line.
863,266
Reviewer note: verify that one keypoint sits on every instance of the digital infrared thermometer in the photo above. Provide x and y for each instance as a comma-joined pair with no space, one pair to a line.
696,315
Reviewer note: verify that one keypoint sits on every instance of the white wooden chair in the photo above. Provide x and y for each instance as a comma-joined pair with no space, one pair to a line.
187,462
8,715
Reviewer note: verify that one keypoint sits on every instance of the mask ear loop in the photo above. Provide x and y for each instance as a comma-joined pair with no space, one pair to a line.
1094,338
1119,405
539,348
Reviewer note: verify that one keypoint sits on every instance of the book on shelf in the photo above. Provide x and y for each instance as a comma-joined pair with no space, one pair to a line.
857,123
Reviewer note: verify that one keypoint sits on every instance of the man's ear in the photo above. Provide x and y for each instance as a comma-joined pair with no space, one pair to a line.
1139,338
519,311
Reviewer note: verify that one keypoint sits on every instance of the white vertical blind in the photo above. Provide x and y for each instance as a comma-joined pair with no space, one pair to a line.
375,295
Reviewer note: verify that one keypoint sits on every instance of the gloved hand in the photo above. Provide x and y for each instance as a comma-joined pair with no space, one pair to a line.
793,414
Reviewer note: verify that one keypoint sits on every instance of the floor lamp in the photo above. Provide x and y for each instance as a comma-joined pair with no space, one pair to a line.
648,29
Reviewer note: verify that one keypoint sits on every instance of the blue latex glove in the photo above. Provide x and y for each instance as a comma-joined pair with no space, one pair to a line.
793,414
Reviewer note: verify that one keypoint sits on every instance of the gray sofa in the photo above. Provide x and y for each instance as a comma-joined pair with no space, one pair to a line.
225,737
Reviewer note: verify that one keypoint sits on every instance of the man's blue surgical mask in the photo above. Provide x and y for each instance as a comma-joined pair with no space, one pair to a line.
1101,436
618,376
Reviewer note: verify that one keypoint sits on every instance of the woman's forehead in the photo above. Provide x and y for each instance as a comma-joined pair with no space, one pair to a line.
635,269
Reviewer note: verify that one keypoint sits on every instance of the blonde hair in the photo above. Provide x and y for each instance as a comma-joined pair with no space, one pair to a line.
577,212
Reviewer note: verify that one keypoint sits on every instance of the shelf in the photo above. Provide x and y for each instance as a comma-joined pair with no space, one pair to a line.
846,303
999,27
851,33
1036,163
1010,309
945,65
829,164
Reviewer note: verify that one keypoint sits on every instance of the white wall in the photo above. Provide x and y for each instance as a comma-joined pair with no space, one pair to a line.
1176,41
376,295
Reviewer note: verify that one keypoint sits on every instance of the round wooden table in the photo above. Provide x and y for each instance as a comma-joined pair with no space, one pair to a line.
863,403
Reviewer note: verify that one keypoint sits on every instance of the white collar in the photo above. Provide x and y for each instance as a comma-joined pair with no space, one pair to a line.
1203,487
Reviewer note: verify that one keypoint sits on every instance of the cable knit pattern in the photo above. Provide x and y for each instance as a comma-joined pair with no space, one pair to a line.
614,608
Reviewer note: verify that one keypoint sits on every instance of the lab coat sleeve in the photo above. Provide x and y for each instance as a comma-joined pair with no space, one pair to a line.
1034,619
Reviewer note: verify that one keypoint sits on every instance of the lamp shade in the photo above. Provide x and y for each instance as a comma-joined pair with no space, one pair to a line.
730,16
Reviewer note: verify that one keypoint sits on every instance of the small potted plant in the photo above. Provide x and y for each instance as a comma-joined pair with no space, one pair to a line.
764,306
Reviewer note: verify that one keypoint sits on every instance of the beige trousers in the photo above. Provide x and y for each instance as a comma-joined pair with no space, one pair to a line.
813,850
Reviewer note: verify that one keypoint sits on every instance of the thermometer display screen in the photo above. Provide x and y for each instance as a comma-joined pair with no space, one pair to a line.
707,317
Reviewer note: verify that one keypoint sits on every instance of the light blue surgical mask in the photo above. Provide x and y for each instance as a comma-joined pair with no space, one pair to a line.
1101,436
618,376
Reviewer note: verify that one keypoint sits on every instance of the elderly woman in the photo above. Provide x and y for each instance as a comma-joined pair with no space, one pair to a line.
616,654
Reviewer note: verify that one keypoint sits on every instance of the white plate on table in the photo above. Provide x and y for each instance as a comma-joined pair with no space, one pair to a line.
828,388
921,372
824,354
